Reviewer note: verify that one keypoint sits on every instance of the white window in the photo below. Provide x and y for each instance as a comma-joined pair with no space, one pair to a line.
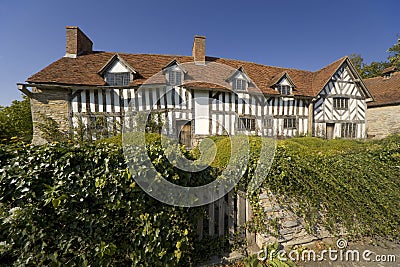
289,123
341,103
118,78
239,84
175,77
284,89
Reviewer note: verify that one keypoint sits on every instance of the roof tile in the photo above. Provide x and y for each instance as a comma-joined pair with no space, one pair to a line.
84,70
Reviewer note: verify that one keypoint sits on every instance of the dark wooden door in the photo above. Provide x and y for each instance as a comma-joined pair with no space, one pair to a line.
330,128
185,135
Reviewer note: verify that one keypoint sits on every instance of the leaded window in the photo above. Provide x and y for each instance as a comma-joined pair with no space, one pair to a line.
175,77
284,89
118,78
247,124
289,123
349,130
341,103
239,84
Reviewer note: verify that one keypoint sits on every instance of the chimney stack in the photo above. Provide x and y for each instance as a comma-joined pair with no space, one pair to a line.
77,43
199,50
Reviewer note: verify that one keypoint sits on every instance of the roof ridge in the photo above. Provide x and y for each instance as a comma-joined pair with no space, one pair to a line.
334,62
221,58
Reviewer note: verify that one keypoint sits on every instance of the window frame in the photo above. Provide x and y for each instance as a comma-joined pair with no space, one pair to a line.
268,122
288,89
341,103
243,84
113,78
290,123
172,77
246,123
349,130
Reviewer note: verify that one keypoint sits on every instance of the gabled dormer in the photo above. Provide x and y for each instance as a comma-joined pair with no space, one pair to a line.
117,72
388,72
283,84
174,73
239,80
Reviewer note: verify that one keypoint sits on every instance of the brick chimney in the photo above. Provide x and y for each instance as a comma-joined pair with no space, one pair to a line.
77,43
199,50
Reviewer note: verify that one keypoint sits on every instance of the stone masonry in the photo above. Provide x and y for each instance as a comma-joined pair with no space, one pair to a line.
292,229
383,121
51,103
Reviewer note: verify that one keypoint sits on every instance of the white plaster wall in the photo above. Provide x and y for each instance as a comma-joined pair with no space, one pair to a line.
118,67
201,112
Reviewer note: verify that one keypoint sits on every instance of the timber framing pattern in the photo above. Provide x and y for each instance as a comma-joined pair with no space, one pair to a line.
75,88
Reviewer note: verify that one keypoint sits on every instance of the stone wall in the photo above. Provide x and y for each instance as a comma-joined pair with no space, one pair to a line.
383,121
292,230
51,103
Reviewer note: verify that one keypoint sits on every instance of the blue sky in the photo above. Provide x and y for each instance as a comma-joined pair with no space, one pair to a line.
307,34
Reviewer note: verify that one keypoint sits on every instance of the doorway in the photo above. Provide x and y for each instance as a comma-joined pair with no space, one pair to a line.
330,130
184,133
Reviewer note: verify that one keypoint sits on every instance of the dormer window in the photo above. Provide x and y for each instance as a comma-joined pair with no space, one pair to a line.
284,89
117,72
118,78
175,77
239,84
387,75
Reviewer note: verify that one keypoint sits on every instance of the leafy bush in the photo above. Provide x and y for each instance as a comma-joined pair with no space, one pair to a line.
348,185
341,184
78,205
16,121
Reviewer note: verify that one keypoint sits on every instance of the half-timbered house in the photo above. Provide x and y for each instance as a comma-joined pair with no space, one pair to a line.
96,89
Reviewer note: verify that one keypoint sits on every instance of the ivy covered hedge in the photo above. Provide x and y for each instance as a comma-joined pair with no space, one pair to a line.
78,205
69,204
349,187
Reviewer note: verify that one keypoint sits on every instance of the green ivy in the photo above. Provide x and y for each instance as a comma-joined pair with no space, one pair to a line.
76,204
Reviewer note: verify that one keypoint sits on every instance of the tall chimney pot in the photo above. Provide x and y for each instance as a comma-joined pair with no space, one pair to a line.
77,43
199,50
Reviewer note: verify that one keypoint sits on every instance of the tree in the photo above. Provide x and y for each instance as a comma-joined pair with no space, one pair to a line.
368,71
376,67
16,120
394,54
357,61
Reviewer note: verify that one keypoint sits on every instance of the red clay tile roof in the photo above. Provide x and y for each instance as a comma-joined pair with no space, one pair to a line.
386,91
204,85
84,70
322,77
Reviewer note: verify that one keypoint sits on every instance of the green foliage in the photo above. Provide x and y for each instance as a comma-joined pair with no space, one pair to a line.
357,61
50,129
348,185
368,70
375,68
394,54
339,184
78,205
16,121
